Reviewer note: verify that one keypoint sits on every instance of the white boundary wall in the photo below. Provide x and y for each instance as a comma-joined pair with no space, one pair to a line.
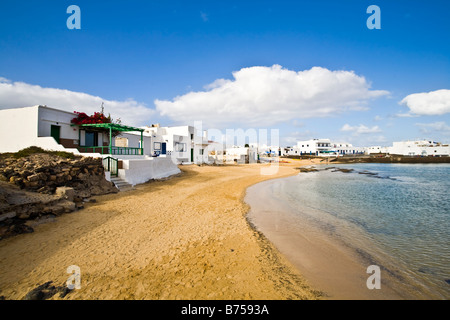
136,171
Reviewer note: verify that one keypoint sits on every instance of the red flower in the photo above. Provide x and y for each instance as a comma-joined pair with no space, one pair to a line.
83,118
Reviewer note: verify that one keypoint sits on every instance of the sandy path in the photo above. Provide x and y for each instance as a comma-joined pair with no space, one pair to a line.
184,238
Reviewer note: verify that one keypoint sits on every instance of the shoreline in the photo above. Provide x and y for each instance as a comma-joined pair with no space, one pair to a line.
183,238
335,267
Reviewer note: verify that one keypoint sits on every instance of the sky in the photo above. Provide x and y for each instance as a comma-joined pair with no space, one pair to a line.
311,69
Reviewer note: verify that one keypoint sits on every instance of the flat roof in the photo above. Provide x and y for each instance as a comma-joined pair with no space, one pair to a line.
113,126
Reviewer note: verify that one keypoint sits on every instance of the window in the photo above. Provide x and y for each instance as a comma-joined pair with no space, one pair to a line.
180,147
201,151
192,136
157,145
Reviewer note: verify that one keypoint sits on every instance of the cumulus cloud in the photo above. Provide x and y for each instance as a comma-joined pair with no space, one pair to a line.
264,96
292,138
361,129
428,103
20,94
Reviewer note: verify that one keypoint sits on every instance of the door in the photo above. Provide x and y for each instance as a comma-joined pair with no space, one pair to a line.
192,155
163,148
91,139
55,132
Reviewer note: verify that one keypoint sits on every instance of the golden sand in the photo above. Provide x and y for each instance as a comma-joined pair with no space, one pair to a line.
183,238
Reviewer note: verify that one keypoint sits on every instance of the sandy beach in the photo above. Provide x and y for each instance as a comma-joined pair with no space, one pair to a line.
183,238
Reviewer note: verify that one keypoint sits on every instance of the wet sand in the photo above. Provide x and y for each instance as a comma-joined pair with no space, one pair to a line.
330,265
183,238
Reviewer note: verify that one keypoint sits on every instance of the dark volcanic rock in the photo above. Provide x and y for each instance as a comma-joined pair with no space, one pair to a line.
43,184
46,291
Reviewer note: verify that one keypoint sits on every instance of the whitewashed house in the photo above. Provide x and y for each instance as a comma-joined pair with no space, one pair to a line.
129,155
374,150
316,147
344,148
184,144
234,154
420,148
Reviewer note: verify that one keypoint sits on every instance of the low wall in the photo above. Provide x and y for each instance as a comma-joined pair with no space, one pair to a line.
138,171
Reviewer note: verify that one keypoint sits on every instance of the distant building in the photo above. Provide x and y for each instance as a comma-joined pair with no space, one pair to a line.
322,148
419,148
234,154
377,150
343,148
315,147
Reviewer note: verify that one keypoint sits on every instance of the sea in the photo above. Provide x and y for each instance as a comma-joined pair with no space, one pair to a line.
396,216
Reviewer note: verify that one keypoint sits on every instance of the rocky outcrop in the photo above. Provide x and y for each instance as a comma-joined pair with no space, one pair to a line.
40,187
46,291
43,173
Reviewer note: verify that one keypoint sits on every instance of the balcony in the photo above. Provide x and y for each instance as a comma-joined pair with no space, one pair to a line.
112,150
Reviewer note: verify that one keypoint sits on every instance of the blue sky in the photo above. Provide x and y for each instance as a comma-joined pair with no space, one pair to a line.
132,54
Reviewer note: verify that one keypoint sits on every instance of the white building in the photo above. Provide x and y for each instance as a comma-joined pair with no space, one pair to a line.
185,144
377,150
322,148
316,147
419,148
51,129
343,148
234,154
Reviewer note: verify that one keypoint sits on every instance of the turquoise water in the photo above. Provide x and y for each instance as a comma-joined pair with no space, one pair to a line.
396,215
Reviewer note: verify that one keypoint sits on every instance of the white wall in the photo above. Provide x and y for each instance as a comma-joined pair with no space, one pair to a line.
134,139
142,170
419,148
377,149
19,127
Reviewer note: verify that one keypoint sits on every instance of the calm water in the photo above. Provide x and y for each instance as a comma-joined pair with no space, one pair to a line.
396,215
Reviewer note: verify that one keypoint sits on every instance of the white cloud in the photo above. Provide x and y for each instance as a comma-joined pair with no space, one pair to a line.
428,103
361,129
264,96
440,127
292,138
20,94
405,115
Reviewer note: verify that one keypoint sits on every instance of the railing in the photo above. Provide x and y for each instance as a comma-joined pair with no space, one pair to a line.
112,150
111,164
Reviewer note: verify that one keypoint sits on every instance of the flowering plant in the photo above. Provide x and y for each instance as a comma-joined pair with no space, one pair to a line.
83,118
